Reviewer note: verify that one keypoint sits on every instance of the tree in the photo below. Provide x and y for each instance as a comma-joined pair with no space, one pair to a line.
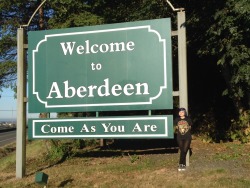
52,15
228,40
13,14
217,34
72,13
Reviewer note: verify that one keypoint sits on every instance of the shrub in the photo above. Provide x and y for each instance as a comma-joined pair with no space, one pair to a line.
240,128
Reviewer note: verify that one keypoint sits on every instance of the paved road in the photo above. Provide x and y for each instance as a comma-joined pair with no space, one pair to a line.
7,137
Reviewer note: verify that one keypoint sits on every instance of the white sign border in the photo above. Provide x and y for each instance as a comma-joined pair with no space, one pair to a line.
101,104
165,118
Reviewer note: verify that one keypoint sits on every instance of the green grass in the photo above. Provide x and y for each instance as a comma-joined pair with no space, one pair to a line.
93,167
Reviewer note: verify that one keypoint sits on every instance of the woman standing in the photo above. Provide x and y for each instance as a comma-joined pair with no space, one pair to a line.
183,126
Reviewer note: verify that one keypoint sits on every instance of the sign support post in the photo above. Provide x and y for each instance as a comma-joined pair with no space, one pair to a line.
182,61
21,105
182,58
22,98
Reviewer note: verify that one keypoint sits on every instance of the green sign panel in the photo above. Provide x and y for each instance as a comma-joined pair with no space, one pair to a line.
118,127
108,127
126,66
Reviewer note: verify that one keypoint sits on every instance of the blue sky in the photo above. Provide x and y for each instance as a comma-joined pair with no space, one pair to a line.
8,106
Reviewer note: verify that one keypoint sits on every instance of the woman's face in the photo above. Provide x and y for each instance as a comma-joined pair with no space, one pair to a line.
182,113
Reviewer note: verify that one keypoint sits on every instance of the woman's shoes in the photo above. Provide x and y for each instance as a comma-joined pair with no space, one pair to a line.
181,167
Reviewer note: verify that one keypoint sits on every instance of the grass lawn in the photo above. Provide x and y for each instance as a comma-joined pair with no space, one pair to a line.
141,163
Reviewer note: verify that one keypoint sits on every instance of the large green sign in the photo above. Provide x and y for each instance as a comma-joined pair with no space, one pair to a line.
103,127
126,66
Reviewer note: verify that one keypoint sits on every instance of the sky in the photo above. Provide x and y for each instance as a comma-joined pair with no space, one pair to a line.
8,106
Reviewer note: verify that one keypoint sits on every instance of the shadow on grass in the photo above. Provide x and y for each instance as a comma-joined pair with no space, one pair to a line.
122,147
63,183
133,147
